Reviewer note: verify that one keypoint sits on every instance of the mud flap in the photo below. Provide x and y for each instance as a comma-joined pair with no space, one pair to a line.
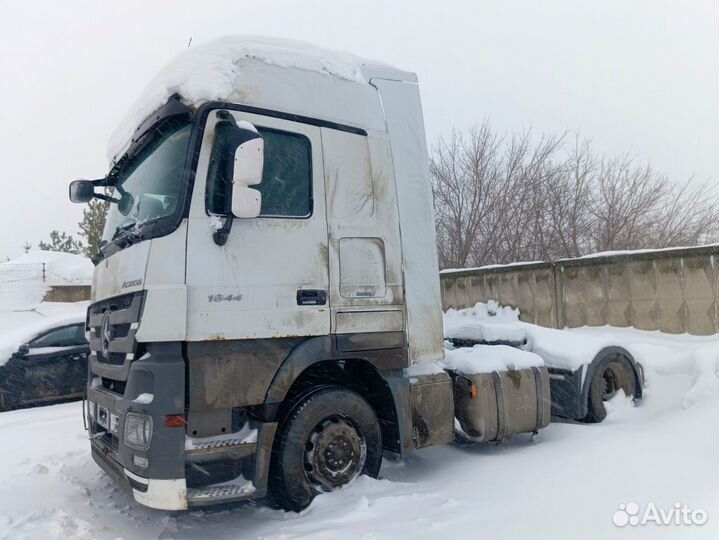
432,410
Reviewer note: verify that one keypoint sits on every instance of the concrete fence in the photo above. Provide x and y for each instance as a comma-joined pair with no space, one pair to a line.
67,293
674,290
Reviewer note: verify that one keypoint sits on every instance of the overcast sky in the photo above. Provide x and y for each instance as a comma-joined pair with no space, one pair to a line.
637,75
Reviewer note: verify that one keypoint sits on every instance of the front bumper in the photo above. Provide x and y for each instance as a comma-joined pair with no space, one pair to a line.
170,494
163,482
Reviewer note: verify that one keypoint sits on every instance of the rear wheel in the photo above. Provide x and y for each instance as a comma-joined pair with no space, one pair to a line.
329,439
612,375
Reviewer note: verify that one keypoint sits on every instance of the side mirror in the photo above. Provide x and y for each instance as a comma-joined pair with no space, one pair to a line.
23,350
82,191
244,164
247,148
249,162
246,202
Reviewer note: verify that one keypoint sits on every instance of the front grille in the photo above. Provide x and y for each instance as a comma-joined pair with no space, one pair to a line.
123,313
121,330
116,359
118,387
115,303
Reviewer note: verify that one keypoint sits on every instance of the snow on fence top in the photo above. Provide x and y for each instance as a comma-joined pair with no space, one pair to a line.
60,268
25,281
212,71
678,250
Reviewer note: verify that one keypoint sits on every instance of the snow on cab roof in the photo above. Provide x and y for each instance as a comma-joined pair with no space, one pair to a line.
212,71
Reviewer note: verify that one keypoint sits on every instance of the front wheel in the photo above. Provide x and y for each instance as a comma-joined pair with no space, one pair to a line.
329,439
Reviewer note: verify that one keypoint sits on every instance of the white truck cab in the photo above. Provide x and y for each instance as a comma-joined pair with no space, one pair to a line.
265,306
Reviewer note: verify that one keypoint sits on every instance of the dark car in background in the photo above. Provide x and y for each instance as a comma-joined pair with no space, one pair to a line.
48,365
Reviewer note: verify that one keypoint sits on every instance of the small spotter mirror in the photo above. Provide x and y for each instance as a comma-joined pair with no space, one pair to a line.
82,191
246,202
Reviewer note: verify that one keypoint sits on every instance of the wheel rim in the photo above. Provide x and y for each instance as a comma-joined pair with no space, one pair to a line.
610,384
335,453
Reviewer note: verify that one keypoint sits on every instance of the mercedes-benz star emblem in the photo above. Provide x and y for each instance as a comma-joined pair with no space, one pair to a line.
105,334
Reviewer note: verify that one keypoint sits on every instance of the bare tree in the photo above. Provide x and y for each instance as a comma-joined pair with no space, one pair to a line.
688,215
623,202
508,198
568,202
465,182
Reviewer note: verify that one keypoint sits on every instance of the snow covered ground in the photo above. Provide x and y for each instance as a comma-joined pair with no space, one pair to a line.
567,482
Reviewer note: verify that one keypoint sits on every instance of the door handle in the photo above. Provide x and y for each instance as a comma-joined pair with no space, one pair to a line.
311,297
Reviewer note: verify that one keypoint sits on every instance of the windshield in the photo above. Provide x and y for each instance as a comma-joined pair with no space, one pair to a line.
151,182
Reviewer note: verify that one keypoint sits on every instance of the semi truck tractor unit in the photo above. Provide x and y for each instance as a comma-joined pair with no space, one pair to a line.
266,313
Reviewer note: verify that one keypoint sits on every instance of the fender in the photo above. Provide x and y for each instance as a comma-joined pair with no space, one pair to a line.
337,347
601,356
388,364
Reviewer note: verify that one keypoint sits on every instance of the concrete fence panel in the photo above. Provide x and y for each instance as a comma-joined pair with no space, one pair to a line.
674,290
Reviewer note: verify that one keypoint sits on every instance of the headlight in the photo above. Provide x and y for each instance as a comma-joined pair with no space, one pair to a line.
91,410
138,430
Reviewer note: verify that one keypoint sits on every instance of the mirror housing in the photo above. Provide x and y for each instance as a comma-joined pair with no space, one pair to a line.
247,170
126,202
82,191
246,202
22,351
249,160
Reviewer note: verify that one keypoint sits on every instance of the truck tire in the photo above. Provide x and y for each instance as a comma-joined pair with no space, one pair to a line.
614,373
330,438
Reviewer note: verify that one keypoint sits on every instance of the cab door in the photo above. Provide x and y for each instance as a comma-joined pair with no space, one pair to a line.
270,279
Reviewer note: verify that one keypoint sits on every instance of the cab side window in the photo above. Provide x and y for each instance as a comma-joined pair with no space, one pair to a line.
286,180
66,336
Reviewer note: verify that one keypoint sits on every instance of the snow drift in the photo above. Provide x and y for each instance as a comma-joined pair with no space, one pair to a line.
697,356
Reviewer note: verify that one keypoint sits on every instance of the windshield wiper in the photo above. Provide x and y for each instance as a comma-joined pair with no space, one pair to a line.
122,230
126,235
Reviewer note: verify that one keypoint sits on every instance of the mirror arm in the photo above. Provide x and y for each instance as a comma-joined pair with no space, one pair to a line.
220,236
104,197
106,182
101,182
